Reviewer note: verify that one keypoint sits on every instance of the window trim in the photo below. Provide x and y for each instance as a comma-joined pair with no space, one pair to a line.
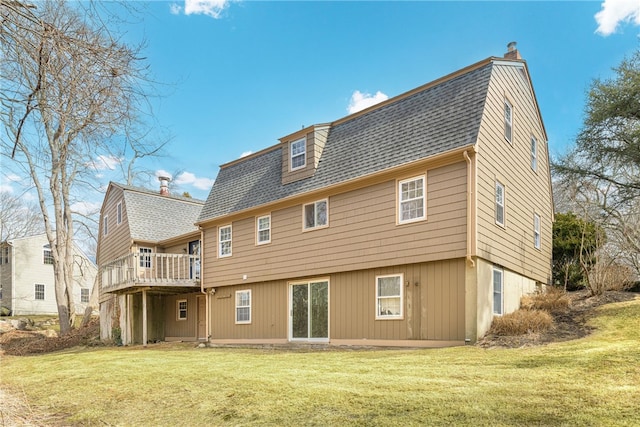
304,153
84,299
423,178
304,216
47,248
145,256
536,231
220,241
105,225
493,289
508,123
179,311
36,292
243,322
503,205
400,316
119,213
534,153
258,230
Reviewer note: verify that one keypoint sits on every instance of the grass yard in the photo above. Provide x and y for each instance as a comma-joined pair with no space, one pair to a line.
593,381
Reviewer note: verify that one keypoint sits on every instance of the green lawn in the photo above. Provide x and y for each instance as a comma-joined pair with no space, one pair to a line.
593,381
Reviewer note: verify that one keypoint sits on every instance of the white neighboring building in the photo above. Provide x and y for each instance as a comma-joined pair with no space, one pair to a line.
27,280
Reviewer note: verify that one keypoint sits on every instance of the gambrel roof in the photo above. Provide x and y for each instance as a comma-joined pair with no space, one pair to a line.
153,217
435,118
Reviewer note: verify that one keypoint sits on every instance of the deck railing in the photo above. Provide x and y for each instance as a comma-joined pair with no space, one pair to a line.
152,269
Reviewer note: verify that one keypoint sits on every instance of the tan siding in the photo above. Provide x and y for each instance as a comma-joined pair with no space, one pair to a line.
362,234
526,191
118,239
180,328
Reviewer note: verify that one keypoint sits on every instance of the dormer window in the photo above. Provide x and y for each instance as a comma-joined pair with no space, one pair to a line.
298,154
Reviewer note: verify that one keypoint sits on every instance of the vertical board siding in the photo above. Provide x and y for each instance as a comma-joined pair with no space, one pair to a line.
181,328
526,191
434,297
362,234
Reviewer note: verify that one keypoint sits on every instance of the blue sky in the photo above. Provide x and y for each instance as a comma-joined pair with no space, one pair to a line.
238,75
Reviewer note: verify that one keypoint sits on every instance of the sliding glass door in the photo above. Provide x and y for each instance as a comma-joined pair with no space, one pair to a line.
309,315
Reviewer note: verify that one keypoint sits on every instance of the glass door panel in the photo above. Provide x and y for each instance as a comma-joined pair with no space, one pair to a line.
300,311
319,309
310,310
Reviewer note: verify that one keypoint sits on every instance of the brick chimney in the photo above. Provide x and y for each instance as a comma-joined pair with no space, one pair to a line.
164,185
512,52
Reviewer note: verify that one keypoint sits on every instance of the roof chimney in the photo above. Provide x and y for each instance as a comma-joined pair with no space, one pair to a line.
164,185
512,52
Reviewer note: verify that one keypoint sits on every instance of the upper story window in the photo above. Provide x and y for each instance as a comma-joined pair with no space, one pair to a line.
536,231
224,241
39,291
4,255
243,306
497,290
534,153
500,203
316,214
411,200
119,213
105,225
145,257
47,255
389,297
508,120
181,306
298,154
263,229
84,295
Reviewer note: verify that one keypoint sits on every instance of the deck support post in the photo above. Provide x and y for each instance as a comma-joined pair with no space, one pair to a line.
144,318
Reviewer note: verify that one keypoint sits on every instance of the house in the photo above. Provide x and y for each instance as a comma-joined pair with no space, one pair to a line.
148,254
27,284
411,223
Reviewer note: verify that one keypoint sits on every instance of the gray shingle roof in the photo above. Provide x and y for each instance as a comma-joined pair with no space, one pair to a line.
438,118
153,217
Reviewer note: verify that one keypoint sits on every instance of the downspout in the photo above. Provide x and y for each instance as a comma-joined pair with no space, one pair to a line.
206,295
469,208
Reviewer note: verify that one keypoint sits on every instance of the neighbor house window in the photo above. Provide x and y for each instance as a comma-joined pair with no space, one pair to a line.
298,153
263,229
4,255
47,255
145,257
119,213
39,295
84,295
508,120
389,297
499,203
181,305
105,225
411,200
243,306
534,153
497,290
536,231
316,214
224,246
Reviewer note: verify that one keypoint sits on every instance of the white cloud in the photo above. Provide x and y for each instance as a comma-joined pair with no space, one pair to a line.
162,172
360,101
86,208
187,178
212,8
615,12
246,153
6,188
175,9
105,162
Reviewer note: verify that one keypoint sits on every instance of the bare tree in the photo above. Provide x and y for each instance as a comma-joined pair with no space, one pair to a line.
18,218
70,92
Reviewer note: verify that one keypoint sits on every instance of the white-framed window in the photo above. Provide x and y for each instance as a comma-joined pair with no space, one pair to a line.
389,294
411,199
105,225
181,307
263,229
536,231
224,241
500,198
4,255
298,154
145,257
316,214
47,255
119,213
534,153
84,295
498,281
243,306
39,291
508,121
